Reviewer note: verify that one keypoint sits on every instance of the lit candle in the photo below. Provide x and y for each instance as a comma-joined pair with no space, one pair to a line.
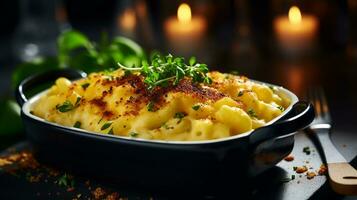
296,33
127,22
185,32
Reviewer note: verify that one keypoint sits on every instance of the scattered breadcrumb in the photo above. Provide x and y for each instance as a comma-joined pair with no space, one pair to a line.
289,158
301,169
4,162
113,196
310,175
322,170
98,193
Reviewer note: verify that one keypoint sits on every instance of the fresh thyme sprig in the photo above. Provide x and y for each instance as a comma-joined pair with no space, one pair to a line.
164,70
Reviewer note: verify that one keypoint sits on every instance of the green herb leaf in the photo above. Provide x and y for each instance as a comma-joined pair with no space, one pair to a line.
240,93
63,180
85,85
306,150
251,112
77,101
179,115
133,134
151,106
196,107
106,125
65,107
169,70
281,108
77,124
111,132
192,61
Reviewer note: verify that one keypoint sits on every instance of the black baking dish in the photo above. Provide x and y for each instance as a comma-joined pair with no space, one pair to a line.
160,164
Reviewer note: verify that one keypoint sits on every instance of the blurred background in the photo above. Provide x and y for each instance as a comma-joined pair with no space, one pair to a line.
296,44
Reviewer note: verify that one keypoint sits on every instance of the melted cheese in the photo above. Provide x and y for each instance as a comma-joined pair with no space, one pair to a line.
119,104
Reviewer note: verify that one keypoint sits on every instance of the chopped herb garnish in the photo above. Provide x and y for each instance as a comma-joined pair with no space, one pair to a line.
65,107
292,177
151,106
179,115
240,93
281,108
63,180
68,106
77,101
165,126
85,85
294,168
169,70
109,71
306,150
251,112
111,132
77,124
271,87
133,134
100,120
127,73
106,125
196,107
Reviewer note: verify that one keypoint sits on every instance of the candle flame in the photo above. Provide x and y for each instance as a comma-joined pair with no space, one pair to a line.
294,15
184,13
128,19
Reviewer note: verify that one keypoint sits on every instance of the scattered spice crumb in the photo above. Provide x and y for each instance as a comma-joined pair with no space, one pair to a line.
289,158
310,175
322,170
35,179
98,193
301,169
344,145
298,182
113,196
4,162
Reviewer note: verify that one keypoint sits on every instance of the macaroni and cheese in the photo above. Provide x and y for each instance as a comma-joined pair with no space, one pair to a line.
118,103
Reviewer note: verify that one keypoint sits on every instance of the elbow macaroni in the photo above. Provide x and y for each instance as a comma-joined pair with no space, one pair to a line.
105,104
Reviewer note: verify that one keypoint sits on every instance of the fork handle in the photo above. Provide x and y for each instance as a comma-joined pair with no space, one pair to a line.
342,176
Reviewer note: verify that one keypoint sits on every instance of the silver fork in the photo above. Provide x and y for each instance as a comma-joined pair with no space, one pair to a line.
342,176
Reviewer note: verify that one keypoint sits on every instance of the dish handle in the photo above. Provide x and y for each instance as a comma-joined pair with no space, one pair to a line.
299,117
42,78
